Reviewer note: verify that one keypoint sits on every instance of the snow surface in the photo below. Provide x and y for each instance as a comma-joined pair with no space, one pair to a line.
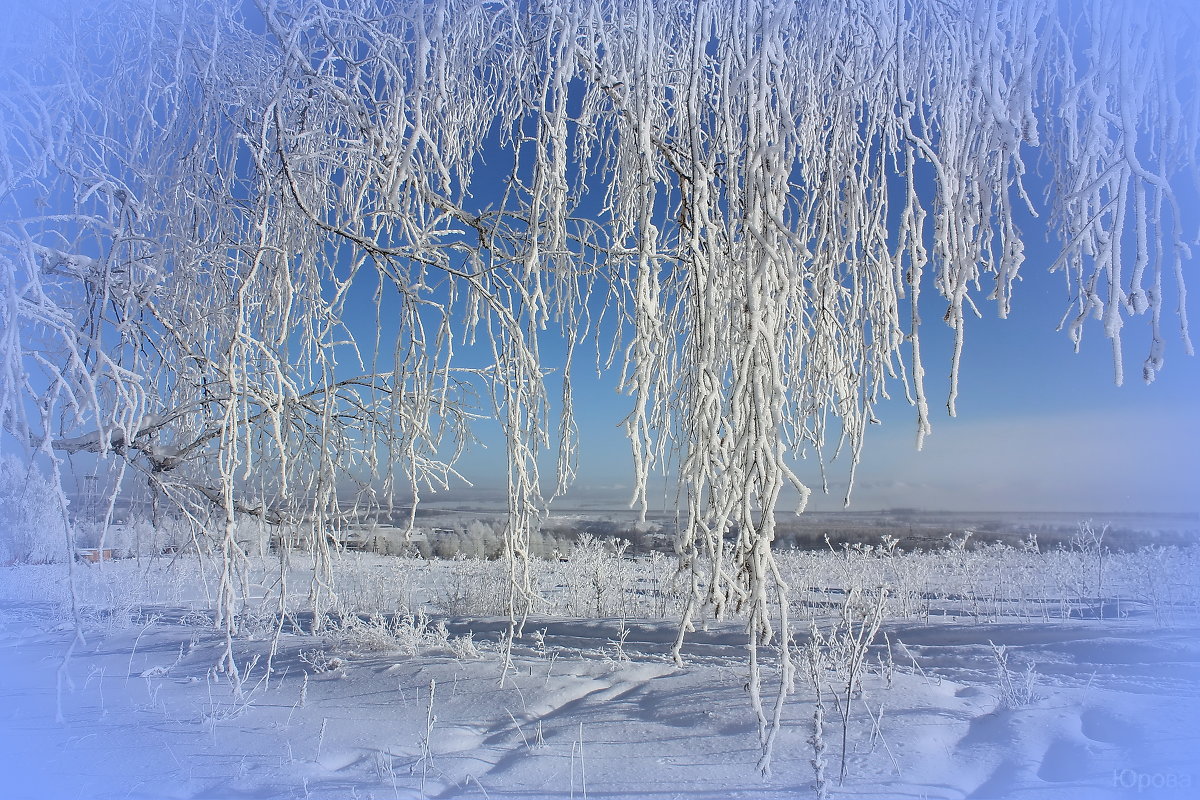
345,713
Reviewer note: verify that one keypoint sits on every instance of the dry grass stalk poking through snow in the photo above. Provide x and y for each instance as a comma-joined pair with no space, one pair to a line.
836,660
1017,688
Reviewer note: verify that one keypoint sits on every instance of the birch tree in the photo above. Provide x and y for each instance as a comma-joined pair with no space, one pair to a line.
753,195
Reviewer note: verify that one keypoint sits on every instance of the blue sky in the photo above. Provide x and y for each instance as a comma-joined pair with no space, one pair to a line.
1039,426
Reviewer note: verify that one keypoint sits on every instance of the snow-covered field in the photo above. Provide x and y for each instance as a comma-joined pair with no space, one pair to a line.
404,694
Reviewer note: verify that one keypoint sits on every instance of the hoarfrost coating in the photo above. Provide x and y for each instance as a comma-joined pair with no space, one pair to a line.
747,196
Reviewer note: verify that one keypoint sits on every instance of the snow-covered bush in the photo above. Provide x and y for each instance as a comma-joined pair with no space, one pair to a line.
365,586
598,581
32,528
476,587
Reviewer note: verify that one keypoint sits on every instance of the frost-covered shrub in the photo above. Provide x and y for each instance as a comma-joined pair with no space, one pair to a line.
475,587
32,530
597,579
366,585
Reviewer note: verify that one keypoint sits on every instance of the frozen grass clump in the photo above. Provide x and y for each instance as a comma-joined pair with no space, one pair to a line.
109,592
1017,687
475,587
410,634
367,584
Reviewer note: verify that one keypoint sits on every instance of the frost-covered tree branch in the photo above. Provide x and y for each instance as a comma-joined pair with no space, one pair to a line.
742,201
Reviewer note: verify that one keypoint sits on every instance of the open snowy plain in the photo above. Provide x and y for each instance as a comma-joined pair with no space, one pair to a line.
976,673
